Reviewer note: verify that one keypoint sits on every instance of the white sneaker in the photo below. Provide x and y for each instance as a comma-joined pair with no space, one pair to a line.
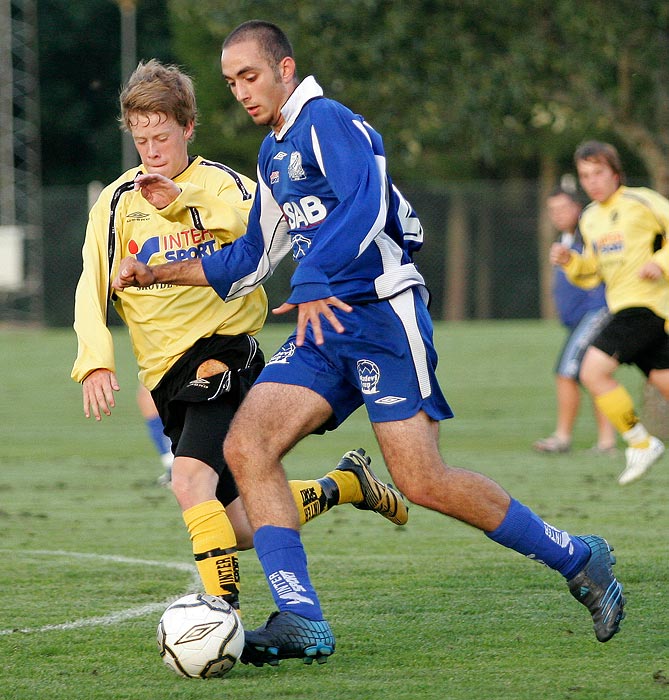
165,479
640,460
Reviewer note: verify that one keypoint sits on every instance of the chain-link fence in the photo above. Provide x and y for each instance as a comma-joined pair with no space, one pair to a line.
480,256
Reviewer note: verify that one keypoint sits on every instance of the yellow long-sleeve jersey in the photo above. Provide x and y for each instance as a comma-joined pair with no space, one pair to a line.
163,321
620,235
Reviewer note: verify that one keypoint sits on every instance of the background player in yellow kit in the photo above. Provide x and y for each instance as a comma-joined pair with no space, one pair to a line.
196,353
624,229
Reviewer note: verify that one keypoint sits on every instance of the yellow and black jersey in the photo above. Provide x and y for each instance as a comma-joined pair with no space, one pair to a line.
620,235
163,320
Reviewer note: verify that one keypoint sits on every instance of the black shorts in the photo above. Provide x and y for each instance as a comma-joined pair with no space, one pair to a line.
197,411
636,336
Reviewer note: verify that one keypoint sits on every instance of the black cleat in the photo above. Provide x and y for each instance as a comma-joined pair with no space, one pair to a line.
598,589
286,635
377,496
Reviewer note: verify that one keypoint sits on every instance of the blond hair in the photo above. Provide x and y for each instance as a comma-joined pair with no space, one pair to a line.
154,88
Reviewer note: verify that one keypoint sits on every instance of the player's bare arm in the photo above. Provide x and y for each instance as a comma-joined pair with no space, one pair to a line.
310,312
98,393
157,189
133,273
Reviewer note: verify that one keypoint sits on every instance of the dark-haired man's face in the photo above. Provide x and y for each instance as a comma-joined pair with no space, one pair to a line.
262,89
563,212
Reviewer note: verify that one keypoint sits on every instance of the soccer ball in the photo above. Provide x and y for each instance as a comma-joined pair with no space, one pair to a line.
200,636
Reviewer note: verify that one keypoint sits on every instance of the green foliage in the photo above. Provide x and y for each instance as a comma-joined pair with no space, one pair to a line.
457,89
432,610
80,78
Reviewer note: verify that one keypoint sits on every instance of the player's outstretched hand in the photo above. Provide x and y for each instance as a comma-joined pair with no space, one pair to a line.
133,273
157,189
310,312
98,389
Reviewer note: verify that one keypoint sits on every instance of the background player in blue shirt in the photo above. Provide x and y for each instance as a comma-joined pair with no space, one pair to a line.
363,336
583,312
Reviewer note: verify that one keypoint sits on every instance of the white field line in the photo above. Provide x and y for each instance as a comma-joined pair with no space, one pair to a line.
115,617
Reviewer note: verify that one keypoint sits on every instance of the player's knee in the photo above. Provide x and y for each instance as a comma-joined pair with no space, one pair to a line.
237,449
192,482
231,451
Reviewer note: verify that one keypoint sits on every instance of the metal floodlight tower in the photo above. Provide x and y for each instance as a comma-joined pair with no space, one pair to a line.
21,274
128,10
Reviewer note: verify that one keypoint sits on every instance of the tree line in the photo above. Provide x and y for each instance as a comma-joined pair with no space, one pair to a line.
460,90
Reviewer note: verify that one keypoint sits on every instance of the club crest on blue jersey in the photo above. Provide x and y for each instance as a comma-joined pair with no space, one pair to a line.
295,169
369,374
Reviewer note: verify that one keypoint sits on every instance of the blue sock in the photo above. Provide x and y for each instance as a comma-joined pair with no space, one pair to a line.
284,562
525,532
160,440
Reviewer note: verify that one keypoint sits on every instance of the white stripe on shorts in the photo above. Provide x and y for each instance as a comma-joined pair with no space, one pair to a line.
403,305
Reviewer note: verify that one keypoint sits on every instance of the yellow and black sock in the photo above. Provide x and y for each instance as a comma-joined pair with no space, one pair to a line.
618,407
214,549
316,496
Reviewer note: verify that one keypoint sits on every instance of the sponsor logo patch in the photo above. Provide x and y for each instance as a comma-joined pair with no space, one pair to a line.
307,211
184,245
301,245
288,588
282,355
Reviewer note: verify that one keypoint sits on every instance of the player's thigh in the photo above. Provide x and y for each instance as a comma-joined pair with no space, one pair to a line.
274,417
596,365
410,449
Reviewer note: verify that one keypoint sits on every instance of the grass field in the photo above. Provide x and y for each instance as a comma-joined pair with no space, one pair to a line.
92,550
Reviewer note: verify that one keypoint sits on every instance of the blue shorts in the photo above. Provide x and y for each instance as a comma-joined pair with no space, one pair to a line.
579,339
385,359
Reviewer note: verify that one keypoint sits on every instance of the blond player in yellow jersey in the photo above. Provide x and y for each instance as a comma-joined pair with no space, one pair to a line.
196,353
624,229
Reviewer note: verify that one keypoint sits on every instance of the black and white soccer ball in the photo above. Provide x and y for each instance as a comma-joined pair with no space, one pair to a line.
200,636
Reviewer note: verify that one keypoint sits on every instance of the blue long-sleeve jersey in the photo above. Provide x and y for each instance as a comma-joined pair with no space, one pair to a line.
324,194
573,303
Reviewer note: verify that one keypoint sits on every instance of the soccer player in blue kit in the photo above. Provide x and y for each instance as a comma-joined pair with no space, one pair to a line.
363,336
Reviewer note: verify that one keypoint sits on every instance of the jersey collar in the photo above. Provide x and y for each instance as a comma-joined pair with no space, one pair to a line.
307,90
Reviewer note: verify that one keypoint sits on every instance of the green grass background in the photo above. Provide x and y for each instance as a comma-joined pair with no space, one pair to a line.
431,610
